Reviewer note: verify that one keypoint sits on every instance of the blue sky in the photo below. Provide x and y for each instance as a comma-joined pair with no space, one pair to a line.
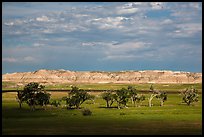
104,36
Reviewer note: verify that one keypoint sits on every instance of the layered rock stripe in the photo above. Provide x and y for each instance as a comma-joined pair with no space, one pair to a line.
66,76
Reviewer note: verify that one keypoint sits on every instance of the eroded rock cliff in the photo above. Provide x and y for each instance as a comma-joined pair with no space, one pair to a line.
65,76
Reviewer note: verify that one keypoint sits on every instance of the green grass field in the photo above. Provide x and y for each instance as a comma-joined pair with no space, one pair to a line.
112,86
174,118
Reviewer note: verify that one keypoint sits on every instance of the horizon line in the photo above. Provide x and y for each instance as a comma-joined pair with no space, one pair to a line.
102,70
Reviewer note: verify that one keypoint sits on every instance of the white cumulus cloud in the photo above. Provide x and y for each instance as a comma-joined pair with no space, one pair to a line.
9,59
43,19
127,10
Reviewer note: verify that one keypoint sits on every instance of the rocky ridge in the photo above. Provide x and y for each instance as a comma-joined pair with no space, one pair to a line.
66,76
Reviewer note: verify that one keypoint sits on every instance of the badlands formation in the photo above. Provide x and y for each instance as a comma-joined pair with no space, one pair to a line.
64,76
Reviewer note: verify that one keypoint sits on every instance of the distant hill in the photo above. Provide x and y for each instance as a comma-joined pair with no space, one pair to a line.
66,76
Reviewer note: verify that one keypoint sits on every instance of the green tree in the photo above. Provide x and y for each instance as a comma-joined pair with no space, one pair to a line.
190,95
108,97
43,98
76,97
20,98
162,97
139,99
33,94
133,94
121,97
156,93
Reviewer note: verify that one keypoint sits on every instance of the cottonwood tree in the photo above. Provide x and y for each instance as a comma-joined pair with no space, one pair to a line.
135,98
139,99
162,97
153,94
108,97
20,98
43,98
156,93
76,97
121,97
190,95
133,94
33,94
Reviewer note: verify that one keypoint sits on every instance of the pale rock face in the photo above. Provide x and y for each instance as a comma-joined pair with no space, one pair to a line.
63,76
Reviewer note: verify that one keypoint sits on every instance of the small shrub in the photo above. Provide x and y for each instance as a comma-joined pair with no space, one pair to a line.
86,112
122,113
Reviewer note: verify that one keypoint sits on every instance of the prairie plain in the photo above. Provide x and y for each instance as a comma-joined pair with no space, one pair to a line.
174,118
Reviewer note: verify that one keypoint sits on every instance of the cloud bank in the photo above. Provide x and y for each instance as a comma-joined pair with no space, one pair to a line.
102,36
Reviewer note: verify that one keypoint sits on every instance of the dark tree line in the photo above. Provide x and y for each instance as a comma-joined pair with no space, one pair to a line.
34,95
122,96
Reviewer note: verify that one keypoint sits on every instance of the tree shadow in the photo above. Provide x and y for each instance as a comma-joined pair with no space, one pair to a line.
108,107
26,113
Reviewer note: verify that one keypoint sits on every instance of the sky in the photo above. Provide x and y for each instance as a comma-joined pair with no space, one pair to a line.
101,36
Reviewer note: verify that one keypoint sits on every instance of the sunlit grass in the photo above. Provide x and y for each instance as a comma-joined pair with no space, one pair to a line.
173,118
111,86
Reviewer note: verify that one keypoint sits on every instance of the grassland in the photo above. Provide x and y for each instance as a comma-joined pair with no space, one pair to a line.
111,86
174,118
